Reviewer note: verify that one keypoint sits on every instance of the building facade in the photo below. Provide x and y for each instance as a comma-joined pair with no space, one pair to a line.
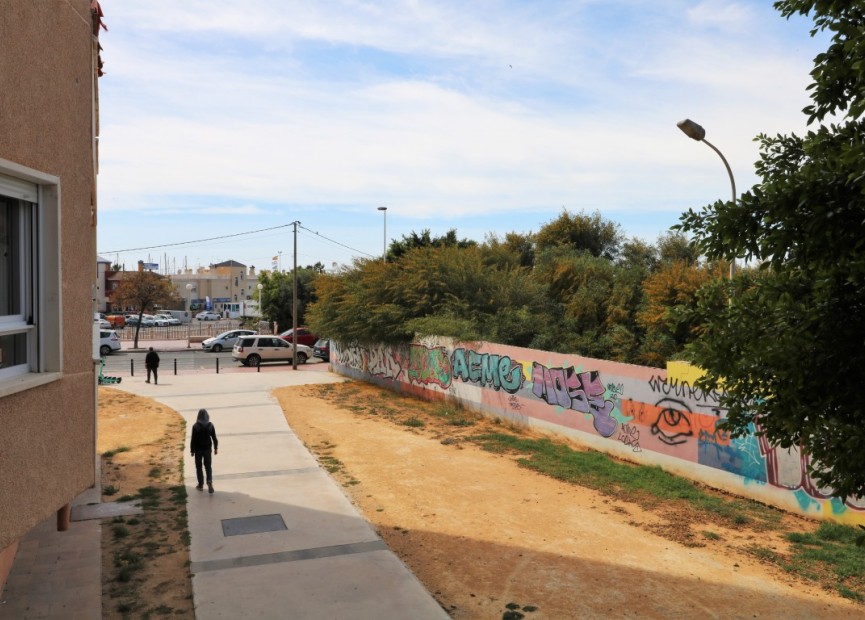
229,288
48,163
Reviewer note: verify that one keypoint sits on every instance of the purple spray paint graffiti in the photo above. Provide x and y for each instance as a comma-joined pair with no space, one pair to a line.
582,392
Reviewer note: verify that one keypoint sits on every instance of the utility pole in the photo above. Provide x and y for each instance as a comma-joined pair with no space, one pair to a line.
294,303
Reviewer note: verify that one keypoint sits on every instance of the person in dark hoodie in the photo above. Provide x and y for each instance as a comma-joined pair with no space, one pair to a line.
203,433
151,362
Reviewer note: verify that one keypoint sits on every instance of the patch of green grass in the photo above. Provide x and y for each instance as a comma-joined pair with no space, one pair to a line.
414,422
109,490
710,535
848,593
126,498
109,453
163,610
119,531
154,472
647,485
178,494
127,562
330,463
764,553
149,497
833,545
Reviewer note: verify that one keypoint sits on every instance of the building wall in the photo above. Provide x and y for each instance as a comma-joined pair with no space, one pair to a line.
47,433
645,415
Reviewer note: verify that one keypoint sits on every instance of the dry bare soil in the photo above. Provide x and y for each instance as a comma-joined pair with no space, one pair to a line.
145,558
487,536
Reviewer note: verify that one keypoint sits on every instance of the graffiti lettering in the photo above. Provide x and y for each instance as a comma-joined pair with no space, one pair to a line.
578,391
630,436
615,390
514,403
497,371
382,363
681,389
673,426
429,365
788,468
350,356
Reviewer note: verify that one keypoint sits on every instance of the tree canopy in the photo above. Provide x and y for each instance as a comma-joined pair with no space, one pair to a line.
143,290
788,348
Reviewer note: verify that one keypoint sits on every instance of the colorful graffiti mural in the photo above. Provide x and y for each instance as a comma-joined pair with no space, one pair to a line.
648,414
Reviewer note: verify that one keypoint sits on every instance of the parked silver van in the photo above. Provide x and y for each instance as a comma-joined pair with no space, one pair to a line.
225,340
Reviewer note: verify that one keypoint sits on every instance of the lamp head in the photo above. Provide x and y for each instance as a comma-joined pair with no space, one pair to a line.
382,208
692,129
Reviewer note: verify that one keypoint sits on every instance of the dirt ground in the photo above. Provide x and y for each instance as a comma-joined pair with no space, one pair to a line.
145,558
489,539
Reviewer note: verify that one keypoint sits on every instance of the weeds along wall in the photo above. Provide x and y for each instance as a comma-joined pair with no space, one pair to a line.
646,415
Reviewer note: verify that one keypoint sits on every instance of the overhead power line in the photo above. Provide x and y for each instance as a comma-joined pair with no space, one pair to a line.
171,245
251,232
333,241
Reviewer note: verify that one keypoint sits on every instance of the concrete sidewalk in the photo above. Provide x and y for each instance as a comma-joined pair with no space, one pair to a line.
279,538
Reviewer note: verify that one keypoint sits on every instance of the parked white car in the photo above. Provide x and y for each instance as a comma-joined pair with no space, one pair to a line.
225,340
108,342
253,350
207,315
169,320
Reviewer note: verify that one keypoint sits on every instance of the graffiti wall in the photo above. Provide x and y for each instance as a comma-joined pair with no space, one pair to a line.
646,415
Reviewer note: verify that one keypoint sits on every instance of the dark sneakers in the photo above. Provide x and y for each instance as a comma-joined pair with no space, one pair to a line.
210,487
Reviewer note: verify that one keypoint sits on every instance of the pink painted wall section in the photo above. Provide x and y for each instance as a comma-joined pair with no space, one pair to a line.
633,412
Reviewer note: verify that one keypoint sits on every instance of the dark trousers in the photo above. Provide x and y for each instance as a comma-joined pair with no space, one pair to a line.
203,458
155,372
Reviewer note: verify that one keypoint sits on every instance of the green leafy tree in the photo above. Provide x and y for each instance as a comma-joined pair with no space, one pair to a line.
413,241
277,294
587,233
788,348
144,290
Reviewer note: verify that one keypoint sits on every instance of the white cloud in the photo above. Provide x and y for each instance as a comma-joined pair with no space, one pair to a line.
222,109
722,14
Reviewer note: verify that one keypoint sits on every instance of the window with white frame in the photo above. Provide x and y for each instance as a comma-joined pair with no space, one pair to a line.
17,327
29,277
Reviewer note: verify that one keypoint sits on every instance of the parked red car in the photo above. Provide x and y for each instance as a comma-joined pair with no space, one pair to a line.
304,336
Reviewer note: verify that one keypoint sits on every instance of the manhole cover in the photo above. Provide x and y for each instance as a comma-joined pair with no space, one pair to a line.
252,525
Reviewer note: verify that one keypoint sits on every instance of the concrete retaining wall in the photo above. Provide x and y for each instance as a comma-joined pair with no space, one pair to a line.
645,415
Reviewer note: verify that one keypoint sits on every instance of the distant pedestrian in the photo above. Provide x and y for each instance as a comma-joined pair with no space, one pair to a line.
203,433
151,363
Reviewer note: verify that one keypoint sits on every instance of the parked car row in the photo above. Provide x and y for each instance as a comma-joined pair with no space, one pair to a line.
248,347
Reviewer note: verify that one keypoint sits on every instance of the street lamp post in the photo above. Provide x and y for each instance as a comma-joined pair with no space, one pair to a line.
189,288
384,242
260,288
696,132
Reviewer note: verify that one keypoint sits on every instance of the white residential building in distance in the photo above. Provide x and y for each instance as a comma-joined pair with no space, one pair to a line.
230,288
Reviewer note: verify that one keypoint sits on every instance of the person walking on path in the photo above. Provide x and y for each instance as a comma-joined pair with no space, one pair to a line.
151,363
203,433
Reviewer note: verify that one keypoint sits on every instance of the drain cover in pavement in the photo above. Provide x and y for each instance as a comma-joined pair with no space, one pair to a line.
252,525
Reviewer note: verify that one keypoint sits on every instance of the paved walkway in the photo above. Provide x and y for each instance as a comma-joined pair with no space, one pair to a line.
279,538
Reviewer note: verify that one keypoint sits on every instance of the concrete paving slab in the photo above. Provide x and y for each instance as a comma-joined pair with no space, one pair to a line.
254,451
371,585
328,562
106,510
316,518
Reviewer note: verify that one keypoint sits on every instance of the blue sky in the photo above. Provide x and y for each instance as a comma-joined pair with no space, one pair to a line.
488,116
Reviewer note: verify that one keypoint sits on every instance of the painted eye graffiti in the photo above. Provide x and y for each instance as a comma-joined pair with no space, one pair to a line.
673,426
